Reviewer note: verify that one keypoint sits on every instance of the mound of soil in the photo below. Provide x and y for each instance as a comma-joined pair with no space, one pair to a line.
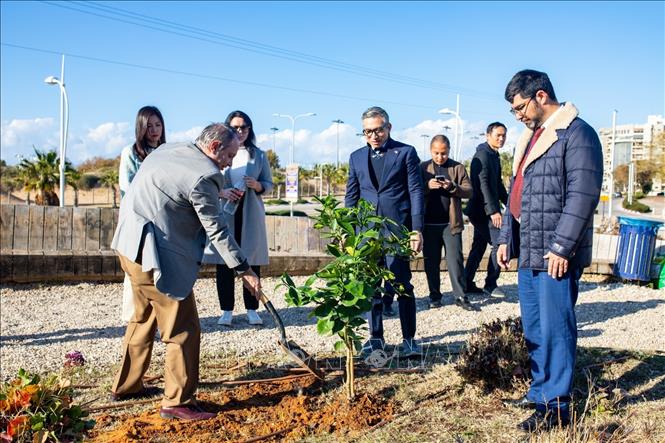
291,409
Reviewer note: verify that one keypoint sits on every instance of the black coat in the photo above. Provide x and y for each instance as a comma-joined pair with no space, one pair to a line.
488,188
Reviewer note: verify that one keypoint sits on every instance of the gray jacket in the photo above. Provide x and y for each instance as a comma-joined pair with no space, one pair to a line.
253,239
172,205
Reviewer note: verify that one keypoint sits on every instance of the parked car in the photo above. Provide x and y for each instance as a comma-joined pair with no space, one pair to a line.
616,194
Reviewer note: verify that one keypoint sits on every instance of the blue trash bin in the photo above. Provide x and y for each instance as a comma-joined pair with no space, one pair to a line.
637,241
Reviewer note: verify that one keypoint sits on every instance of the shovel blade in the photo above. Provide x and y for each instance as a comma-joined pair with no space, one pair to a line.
301,357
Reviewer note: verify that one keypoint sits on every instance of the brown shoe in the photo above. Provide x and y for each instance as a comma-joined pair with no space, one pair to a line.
186,413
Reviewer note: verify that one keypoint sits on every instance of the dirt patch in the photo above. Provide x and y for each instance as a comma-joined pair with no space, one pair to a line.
294,408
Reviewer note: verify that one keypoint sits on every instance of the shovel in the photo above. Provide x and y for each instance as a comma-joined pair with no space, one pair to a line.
294,351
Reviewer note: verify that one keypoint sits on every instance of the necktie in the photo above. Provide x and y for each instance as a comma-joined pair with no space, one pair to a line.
515,203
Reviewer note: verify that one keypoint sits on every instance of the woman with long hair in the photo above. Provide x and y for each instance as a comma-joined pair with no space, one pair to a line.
149,134
245,181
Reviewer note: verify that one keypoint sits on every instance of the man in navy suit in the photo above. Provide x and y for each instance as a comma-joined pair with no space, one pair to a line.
386,173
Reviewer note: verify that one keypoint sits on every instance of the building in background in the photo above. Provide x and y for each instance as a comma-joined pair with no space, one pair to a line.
634,142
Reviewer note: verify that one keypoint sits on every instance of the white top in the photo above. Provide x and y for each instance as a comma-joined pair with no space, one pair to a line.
239,166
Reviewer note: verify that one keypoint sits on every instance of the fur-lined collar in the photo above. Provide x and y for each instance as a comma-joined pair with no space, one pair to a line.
565,117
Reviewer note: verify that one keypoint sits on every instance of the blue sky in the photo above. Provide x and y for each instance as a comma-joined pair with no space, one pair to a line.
198,61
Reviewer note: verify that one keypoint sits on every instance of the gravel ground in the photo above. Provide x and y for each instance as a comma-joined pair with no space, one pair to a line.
39,323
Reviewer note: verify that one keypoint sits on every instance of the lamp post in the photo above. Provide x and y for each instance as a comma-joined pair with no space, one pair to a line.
274,130
611,184
293,129
458,128
425,137
338,121
64,126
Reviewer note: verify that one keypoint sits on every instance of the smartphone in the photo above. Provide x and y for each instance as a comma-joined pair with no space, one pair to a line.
442,177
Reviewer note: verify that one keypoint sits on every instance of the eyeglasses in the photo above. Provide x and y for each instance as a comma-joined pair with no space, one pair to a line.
240,128
521,109
376,131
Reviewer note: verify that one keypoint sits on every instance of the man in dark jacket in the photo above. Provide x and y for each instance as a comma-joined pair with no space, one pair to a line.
446,183
484,208
548,226
385,172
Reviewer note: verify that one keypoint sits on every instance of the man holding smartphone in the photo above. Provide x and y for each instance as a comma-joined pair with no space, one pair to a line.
446,183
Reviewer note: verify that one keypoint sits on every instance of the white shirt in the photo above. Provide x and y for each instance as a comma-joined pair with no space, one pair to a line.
239,167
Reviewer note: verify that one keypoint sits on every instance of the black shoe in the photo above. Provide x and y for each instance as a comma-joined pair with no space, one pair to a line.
388,311
433,304
544,421
465,304
522,402
151,391
473,289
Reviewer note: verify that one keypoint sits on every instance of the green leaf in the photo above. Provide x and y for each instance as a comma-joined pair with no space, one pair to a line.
324,310
324,326
333,250
338,325
340,346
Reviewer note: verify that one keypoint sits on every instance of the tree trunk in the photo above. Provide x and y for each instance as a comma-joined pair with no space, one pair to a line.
76,198
350,378
115,196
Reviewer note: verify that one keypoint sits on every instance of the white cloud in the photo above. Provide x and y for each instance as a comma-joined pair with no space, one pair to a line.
108,139
321,147
17,137
104,140
183,136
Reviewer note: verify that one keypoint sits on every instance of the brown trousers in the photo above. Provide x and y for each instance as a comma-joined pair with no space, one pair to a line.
180,329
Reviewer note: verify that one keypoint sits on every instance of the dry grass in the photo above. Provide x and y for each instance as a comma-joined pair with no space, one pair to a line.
619,398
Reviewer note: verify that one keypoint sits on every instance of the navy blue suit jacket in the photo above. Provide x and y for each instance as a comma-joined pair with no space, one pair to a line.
400,192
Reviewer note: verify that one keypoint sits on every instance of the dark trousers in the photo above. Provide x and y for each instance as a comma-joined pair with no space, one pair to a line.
547,306
226,279
407,303
435,237
226,285
484,233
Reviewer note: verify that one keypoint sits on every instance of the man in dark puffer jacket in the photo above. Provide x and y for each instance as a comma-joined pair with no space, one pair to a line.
548,226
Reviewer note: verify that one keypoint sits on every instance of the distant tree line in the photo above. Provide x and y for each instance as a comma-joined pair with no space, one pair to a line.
40,176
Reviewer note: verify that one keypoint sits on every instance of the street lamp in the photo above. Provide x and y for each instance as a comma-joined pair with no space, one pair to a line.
274,130
425,137
293,129
64,126
458,128
338,121
612,146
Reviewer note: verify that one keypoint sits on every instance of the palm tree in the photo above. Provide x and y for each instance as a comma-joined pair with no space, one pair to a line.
42,174
110,180
329,172
72,177
342,174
